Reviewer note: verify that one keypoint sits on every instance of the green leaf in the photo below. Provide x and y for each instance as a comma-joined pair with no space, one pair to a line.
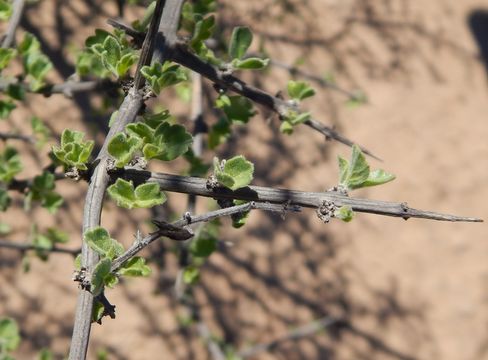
356,173
234,173
123,148
357,170
146,19
203,30
250,64
154,120
196,10
16,91
29,44
295,118
144,196
345,213
111,280
10,164
101,274
357,99
4,200
378,177
191,275
43,245
70,136
98,38
112,51
42,191
40,130
292,119
5,10
125,63
236,108
45,354
286,127
343,169
6,107
5,228
73,151
170,141
9,335
239,220
97,311
78,262
102,354
219,133
135,267
89,63
37,65
122,192
197,166
100,241
43,183
113,117
240,41
203,245
52,201
299,90
142,131
6,55
161,76
148,195
183,91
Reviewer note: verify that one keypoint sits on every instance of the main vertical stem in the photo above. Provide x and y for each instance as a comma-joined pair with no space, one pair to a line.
169,16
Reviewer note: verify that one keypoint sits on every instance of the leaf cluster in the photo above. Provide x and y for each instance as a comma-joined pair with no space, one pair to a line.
36,64
109,249
234,173
45,241
143,196
154,137
42,190
73,151
160,76
237,110
297,91
106,54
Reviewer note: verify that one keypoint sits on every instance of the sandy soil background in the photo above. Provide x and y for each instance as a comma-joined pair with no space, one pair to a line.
393,289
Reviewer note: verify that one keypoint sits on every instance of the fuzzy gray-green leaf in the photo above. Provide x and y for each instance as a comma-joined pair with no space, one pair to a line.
240,41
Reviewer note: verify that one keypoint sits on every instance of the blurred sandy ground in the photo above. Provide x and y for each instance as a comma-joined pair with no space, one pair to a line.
402,290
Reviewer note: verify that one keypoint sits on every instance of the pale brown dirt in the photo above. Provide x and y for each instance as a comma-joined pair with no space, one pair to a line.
403,290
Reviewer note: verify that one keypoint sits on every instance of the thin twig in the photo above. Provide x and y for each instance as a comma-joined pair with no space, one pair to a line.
294,70
8,136
300,332
68,88
213,347
24,184
181,289
177,231
138,36
199,186
18,8
179,53
6,244
197,114
197,148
